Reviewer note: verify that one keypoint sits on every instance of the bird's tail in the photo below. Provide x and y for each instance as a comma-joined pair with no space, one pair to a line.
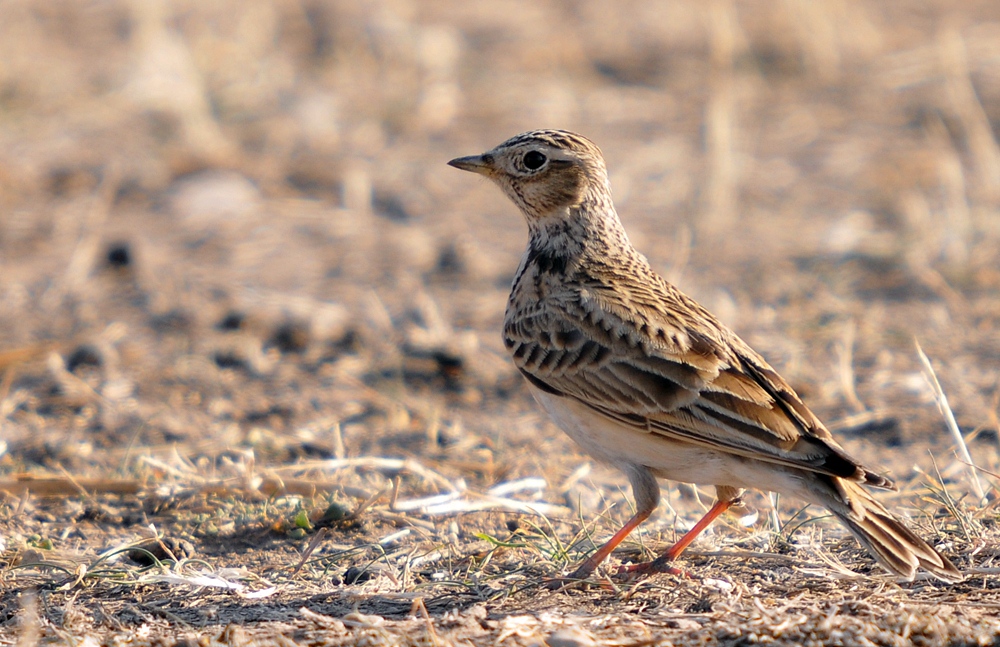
896,547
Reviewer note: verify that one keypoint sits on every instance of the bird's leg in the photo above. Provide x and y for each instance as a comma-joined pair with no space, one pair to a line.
662,563
726,497
646,492
584,570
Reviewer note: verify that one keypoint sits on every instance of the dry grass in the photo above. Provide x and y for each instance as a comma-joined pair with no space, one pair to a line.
251,383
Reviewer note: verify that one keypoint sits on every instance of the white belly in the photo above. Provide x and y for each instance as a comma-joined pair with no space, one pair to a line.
621,445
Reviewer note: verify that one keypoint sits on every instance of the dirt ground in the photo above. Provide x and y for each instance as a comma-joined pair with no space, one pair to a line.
252,389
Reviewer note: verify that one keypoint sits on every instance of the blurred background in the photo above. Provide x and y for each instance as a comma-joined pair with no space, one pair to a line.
229,225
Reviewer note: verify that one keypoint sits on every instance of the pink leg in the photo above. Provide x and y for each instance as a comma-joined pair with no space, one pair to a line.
591,563
662,563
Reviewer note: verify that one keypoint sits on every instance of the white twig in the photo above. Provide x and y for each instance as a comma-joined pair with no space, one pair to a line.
426,502
462,501
484,502
510,487
381,463
392,537
578,474
949,417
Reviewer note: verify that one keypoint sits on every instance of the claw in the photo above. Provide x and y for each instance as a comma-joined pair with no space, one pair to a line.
559,583
575,580
650,568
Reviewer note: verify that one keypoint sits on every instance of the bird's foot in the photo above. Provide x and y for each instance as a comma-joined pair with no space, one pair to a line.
659,565
580,578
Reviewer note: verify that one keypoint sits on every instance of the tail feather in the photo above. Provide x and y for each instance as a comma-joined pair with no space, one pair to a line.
896,547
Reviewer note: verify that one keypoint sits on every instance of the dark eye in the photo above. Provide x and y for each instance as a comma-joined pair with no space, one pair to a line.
533,160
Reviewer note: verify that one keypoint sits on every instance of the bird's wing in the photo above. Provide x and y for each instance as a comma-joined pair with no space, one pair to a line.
676,372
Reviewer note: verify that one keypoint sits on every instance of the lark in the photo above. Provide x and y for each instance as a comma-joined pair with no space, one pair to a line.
644,378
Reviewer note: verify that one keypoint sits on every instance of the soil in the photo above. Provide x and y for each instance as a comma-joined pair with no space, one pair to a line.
252,388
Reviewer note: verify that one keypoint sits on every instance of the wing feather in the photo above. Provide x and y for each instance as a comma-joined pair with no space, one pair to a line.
656,376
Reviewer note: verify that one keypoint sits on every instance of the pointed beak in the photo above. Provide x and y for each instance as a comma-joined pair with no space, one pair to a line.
481,164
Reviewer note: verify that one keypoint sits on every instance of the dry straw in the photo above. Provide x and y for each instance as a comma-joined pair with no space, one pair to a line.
949,417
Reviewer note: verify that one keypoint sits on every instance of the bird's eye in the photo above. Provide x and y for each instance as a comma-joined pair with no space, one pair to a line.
533,160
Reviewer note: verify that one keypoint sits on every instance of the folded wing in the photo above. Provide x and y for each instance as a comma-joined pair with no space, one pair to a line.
695,381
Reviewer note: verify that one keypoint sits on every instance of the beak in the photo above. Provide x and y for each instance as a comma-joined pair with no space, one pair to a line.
480,164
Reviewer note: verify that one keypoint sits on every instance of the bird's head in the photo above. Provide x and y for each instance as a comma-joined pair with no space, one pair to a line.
545,172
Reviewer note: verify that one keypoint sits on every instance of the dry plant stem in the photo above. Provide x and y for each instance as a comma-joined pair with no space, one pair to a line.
846,368
313,543
949,417
418,605
965,100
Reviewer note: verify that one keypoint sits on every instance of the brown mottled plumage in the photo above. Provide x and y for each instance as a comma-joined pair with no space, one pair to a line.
646,379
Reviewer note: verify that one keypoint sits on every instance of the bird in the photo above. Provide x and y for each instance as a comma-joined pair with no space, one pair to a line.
645,379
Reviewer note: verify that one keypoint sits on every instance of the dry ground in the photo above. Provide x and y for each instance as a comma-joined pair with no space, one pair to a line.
251,383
